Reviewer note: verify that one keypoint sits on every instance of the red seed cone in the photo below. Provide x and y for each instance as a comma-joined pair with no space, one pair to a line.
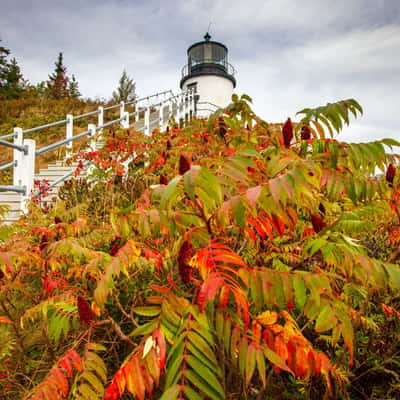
305,132
84,310
57,220
163,180
317,223
287,132
184,256
390,174
184,165
115,245
44,242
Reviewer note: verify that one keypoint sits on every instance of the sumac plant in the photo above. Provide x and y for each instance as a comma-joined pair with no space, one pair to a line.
230,259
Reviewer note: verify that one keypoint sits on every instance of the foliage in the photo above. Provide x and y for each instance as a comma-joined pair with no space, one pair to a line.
58,82
73,89
12,83
126,90
230,259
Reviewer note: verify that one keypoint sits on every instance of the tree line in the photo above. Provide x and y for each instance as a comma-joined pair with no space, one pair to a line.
59,85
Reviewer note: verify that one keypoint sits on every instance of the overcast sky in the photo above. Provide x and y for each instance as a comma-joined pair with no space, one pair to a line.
289,54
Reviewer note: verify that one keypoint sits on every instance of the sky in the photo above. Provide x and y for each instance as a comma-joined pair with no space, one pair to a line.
289,54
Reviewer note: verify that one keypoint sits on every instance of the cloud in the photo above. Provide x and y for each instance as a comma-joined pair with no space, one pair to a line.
289,54
358,64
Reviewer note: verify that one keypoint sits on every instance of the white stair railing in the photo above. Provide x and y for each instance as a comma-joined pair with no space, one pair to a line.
25,150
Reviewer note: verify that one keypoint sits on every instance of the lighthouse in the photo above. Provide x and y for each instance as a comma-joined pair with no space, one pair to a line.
209,74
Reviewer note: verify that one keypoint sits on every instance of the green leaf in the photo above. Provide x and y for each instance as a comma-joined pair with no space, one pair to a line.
94,381
275,359
145,329
394,275
88,392
172,393
147,311
192,394
96,347
299,291
238,212
208,390
326,319
202,346
250,363
170,193
261,367
205,374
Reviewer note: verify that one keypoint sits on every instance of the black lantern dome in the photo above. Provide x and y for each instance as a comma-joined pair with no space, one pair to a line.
207,58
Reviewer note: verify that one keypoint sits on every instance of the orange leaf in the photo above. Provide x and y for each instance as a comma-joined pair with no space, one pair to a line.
209,289
5,320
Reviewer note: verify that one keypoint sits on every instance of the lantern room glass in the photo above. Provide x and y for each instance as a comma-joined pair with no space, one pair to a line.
207,53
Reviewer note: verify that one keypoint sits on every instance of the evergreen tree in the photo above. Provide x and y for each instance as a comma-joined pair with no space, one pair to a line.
73,89
14,82
58,82
126,90
3,64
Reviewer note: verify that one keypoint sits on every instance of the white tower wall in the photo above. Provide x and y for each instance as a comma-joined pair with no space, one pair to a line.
211,89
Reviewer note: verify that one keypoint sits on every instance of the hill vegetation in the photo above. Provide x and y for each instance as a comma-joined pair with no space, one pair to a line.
230,259
26,105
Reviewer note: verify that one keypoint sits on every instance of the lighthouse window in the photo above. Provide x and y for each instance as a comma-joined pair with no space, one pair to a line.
197,54
192,86
219,55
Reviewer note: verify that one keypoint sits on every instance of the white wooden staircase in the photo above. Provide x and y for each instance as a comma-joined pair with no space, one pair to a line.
147,118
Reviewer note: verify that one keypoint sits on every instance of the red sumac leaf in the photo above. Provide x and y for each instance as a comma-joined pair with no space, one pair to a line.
209,289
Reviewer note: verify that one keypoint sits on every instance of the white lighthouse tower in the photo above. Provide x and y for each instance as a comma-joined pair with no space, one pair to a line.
209,74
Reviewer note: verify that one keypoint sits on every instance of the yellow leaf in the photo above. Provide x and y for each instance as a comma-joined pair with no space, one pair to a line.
96,309
267,318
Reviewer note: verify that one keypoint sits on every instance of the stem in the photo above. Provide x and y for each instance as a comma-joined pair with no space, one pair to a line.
204,217
14,325
119,332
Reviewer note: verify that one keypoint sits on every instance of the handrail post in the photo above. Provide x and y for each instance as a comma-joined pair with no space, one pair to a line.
100,118
147,121
17,155
160,116
92,129
69,127
169,113
121,112
125,121
191,104
179,110
28,172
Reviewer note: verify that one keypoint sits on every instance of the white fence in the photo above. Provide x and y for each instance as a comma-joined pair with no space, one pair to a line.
166,104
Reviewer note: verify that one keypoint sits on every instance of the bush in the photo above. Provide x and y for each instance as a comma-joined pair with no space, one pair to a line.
230,259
